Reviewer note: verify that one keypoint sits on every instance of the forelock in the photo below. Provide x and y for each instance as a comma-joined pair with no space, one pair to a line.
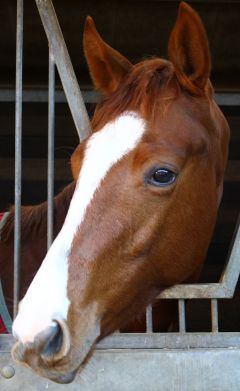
140,91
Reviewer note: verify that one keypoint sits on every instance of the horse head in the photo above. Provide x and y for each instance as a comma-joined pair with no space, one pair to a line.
148,185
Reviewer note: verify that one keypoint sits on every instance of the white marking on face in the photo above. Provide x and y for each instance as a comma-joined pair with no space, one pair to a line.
46,298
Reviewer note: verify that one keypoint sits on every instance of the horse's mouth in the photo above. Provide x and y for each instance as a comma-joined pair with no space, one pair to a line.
67,377
60,373
60,370
60,378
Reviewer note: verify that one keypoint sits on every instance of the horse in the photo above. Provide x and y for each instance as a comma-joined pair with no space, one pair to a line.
33,242
34,249
149,181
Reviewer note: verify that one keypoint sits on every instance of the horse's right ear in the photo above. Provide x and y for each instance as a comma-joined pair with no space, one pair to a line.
189,52
107,66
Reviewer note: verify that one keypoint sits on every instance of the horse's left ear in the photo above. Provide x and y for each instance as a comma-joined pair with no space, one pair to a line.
107,66
188,50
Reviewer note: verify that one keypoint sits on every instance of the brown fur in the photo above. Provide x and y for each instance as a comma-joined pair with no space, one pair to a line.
189,51
34,217
111,66
33,241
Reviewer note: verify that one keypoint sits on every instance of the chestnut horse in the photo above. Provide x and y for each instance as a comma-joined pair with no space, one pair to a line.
33,242
148,185
34,249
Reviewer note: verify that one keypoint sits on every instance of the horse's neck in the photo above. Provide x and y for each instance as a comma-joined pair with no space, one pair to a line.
34,218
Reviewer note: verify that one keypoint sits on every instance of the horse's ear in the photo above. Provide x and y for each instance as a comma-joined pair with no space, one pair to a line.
107,66
188,50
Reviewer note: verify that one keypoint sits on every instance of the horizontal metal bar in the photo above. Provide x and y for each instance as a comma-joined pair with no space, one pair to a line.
36,169
156,341
91,96
39,95
227,98
6,164
197,291
171,341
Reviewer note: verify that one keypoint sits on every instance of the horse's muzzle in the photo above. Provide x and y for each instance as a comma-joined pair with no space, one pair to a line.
49,347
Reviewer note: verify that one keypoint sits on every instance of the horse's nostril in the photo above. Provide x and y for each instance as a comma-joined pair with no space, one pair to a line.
57,342
54,342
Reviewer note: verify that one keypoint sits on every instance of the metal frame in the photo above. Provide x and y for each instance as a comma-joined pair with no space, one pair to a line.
222,290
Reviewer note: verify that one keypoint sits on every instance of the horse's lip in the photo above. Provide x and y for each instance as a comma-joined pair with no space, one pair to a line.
57,377
61,378
64,369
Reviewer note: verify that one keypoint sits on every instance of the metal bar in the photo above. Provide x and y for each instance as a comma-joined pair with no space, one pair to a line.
181,316
223,290
18,154
7,320
40,94
155,341
197,291
51,128
231,272
64,173
65,68
227,98
149,322
214,315
170,341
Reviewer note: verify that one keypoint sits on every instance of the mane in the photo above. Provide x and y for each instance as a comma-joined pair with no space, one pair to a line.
34,217
141,90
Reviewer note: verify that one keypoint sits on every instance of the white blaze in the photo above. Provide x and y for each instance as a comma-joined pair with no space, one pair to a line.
46,298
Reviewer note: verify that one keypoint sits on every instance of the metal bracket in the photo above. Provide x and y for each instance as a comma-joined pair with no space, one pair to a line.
222,290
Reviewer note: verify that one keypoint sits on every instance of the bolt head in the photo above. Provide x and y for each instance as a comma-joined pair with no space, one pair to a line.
8,371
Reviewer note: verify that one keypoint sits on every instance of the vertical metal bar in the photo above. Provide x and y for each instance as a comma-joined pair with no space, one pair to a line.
214,315
149,322
18,154
51,128
64,66
181,316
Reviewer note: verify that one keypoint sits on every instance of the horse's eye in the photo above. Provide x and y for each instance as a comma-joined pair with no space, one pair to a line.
161,177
